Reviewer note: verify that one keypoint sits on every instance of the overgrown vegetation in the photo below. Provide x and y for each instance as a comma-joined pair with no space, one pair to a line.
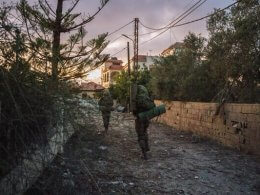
184,76
225,68
36,65
120,90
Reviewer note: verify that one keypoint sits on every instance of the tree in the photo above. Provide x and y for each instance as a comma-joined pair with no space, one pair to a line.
43,27
32,51
233,50
183,76
120,90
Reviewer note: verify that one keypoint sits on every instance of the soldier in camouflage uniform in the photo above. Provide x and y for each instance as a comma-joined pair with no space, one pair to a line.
143,104
105,106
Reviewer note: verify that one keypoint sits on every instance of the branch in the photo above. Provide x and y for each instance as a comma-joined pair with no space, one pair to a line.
70,10
85,21
50,7
44,9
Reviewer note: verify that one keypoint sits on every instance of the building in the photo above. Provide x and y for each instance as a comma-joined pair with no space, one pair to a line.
110,70
173,49
143,61
90,89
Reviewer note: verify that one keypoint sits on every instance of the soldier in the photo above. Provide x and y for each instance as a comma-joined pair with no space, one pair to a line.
105,106
143,104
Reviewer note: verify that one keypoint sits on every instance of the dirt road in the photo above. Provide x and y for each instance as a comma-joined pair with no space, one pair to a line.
95,163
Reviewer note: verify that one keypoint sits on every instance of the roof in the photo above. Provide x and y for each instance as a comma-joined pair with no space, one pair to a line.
73,84
91,86
141,58
114,61
176,45
115,67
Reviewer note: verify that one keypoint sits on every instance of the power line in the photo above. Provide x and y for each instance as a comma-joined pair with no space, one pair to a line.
158,29
182,16
174,23
118,52
192,21
171,26
115,39
147,33
191,9
120,28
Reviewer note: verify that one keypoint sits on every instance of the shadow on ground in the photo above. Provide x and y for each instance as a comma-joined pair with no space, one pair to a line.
98,163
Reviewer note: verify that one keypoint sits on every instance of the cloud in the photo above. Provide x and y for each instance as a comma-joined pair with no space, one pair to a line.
154,13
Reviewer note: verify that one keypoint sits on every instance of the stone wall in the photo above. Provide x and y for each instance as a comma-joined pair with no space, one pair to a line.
233,125
34,162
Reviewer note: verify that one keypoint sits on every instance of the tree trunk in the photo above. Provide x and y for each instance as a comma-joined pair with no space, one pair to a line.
56,41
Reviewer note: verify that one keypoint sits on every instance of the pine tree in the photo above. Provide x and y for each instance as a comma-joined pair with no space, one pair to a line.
62,58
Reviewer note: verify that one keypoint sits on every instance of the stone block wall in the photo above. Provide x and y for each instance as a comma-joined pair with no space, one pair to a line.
233,125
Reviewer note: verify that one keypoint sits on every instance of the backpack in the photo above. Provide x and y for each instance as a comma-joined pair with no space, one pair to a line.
143,100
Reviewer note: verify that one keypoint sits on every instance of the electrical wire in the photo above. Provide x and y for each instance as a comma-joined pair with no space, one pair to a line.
114,40
192,21
120,28
181,17
118,37
191,9
174,23
158,29
118,52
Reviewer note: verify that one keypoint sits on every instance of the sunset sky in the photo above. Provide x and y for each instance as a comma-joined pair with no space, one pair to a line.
153,13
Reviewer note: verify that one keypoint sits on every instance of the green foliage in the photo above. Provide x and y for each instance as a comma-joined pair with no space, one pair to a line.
61,57
25,105
120,90
33,54
229,64
182,76
233,50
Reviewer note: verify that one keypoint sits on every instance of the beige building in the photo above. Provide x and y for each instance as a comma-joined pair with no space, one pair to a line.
173,49
90,89
143,61
110,70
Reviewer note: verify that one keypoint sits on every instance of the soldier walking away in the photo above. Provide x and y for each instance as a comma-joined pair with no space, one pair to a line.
143,103
106,106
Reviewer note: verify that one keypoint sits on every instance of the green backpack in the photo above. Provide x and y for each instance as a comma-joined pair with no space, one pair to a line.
143,100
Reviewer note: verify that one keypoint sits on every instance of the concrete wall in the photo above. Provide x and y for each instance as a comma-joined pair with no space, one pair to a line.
30,168
233,125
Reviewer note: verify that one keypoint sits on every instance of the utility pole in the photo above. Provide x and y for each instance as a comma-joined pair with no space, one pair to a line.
136,21
128,59
129,75
133,90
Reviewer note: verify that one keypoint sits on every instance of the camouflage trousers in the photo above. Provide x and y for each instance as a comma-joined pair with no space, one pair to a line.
141,130
106,118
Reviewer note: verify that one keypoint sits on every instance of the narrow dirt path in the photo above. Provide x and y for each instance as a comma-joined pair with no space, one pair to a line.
95,163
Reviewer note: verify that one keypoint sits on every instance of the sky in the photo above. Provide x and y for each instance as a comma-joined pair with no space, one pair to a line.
152,13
